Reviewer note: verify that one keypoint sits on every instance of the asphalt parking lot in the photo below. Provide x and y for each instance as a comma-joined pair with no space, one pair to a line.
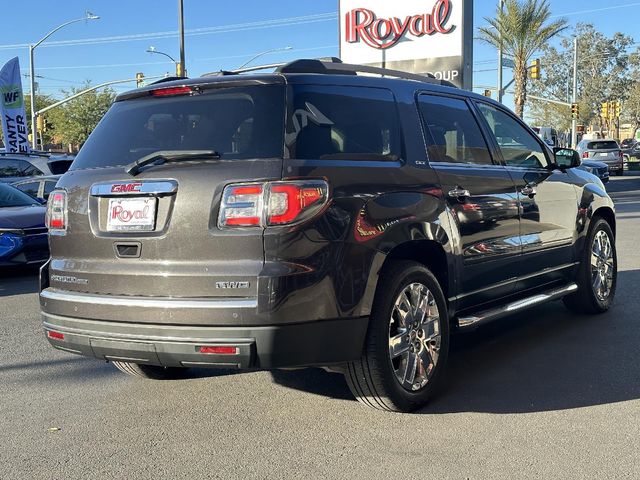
546,394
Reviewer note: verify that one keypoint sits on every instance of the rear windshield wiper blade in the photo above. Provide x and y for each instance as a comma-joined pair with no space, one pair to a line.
164,156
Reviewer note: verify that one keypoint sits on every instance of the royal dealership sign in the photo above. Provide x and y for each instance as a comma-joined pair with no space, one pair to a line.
418,36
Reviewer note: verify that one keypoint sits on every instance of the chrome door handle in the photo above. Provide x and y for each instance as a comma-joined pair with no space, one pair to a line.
459,193
528,190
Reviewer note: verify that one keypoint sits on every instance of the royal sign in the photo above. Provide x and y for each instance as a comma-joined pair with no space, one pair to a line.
417,36
381,33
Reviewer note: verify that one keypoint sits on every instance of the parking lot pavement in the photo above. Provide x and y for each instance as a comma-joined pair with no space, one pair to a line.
545,395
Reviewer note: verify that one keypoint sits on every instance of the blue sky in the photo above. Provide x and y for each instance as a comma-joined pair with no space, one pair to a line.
224,41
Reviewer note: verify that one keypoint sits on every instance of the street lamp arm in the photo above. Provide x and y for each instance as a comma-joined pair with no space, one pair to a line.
162,53
58,28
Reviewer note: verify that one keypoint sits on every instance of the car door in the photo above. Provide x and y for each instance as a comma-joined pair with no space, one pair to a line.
481,198
547,199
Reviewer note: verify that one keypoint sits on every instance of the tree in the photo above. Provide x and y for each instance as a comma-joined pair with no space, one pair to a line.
605,71
522,29
75,120
632,108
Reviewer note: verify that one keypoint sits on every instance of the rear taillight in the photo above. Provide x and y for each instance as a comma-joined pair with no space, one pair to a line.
585,154
57,211
272,203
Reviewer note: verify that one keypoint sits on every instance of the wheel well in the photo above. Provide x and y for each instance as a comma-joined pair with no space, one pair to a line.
607,214
428,253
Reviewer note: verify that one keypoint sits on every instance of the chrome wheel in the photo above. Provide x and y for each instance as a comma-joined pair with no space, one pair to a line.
414,336
602,265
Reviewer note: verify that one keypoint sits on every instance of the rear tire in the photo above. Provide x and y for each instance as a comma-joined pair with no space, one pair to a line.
150,372
598,272
407,342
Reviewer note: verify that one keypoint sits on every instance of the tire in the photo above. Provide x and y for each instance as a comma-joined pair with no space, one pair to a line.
588,299
151,372
374,379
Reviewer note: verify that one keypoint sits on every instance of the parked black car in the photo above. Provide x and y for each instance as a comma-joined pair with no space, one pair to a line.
23,235
315,216
599,169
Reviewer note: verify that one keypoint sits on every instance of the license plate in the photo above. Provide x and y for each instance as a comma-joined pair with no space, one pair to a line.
131,214
604,154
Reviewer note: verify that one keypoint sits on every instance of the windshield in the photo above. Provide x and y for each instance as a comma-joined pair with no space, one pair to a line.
604,145
12,197
238,122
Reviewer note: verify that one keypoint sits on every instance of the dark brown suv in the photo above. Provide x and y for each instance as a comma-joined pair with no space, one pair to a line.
315,217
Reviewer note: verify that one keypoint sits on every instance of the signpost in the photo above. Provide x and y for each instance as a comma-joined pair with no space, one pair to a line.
417,36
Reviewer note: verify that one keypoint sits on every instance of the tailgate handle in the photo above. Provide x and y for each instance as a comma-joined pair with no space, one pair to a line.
127,249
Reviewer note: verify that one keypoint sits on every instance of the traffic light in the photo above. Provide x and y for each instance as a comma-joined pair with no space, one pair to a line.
535,69
487,93
604,110
139,79
575,110
617,108
40,123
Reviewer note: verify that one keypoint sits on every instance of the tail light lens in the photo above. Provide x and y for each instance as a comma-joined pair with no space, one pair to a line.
585,154
273,203
57,211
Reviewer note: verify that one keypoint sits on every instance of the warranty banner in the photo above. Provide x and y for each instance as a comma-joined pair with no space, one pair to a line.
14,120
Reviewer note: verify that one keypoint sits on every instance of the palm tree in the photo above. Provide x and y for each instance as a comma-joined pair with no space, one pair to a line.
522,28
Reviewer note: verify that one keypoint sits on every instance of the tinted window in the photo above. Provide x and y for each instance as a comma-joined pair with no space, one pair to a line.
30,171
11,168
343,123
49,186
31,188
603,145
518,146
12,197
456,135
238,122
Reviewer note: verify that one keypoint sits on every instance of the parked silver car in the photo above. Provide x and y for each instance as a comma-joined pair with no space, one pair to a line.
605,150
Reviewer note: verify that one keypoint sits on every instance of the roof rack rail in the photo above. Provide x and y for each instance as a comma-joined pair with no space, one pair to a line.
334,66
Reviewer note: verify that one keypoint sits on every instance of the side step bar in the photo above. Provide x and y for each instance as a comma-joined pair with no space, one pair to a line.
473,321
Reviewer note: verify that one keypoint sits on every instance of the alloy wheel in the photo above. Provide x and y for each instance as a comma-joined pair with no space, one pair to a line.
602,265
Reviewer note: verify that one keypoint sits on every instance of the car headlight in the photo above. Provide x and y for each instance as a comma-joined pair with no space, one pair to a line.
10,242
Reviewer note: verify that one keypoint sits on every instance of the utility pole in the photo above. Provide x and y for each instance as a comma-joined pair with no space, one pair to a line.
574,98
181,28
500,60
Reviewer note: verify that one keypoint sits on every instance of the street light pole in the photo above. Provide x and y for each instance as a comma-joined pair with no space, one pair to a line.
574,97
264,53
176,64
34,132
181,28
500,90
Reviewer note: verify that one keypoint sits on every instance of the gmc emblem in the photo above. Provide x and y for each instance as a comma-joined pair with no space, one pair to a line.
126,187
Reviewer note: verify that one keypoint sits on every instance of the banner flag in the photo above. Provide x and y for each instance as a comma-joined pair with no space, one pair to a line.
14,119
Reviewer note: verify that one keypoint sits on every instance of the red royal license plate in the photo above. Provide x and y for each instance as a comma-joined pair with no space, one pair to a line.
135,214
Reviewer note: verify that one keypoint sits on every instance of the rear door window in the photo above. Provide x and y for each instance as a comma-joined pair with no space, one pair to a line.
11,168
343,123
49,186
455,132
602,145
31,188
240,123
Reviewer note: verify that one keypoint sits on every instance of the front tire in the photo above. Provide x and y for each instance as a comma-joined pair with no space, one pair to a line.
407,342
150,372
598,272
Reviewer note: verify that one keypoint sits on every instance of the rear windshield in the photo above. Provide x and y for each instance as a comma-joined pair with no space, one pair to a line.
604,145
238,122
12,197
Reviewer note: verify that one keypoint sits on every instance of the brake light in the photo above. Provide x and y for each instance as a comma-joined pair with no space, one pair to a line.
55,335
585,154
169,91
273,203
57,211
241,205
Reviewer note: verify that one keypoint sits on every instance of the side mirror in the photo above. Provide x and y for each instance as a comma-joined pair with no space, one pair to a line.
566,158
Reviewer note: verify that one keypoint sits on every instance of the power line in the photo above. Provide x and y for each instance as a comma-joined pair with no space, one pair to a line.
593,10
281,22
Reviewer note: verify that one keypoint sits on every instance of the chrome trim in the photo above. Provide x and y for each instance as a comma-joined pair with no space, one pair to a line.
162,187
513,307
147,302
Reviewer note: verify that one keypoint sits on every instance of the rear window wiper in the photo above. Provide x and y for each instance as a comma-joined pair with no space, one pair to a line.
164,156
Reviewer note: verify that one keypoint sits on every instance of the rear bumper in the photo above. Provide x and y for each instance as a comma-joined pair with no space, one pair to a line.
318,343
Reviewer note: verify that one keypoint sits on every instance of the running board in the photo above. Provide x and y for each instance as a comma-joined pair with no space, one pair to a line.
473,321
